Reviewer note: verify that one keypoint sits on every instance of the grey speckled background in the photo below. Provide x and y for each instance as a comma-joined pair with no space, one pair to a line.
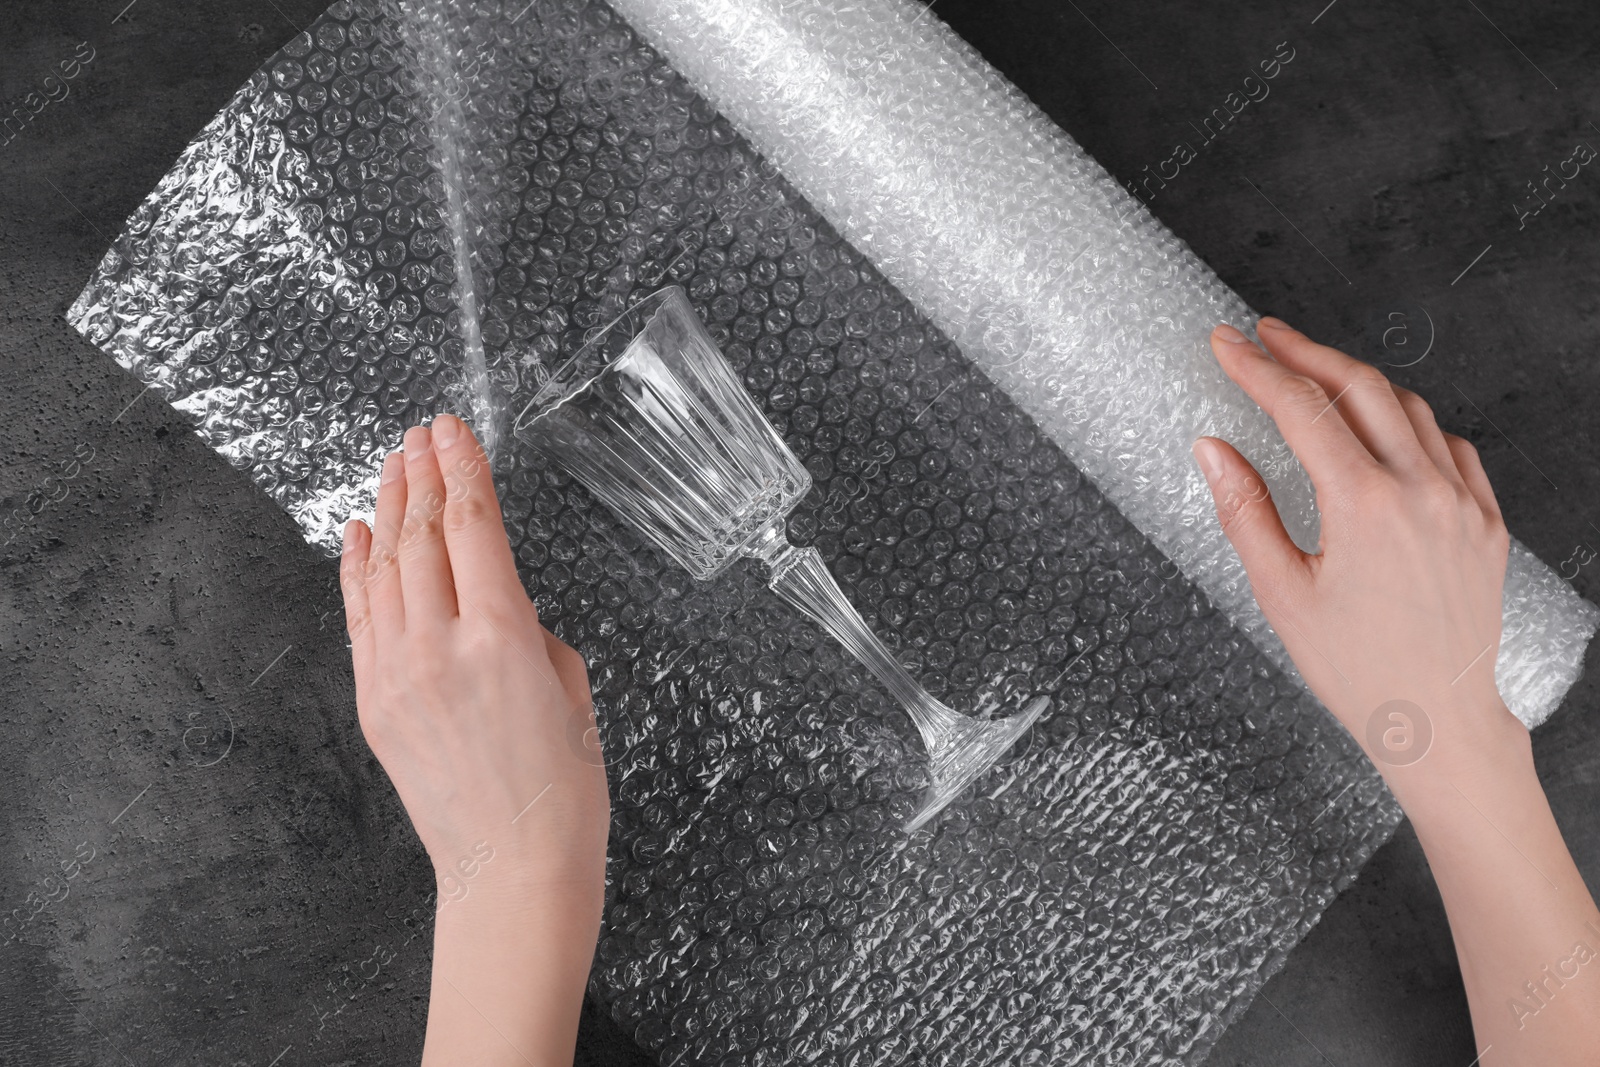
157,604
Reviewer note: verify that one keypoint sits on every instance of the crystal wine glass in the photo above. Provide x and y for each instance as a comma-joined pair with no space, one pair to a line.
653,420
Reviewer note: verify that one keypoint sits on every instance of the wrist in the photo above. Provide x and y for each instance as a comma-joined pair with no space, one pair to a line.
514,900
1477,753
501,934
512,875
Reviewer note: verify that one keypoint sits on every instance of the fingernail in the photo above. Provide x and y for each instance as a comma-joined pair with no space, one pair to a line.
1209,456
394,467
349,531
1231,335
446,428
1275,324
416,440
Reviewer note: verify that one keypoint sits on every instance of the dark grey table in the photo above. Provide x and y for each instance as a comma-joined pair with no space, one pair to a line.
157,604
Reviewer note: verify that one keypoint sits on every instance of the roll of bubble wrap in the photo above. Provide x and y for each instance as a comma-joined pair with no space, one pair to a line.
1113,895
1054,280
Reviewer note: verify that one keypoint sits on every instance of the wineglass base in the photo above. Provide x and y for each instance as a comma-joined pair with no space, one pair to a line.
967,753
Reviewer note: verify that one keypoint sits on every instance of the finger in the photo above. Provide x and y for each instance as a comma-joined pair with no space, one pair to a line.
474,530
518,626
1249,517
1429,436
424,564
381,572
1361,392
1314,429
357,612
1472,473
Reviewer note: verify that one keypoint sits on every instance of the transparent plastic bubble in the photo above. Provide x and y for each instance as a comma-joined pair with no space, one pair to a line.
763,902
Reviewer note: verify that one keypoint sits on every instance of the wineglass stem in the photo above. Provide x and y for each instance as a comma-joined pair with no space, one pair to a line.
800,577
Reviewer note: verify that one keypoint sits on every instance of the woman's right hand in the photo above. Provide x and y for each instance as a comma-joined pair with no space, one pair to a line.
1395,623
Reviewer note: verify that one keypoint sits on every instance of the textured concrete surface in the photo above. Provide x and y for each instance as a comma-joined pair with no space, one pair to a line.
190,818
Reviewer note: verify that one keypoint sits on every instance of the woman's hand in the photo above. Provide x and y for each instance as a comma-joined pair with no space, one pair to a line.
484,722
1395,625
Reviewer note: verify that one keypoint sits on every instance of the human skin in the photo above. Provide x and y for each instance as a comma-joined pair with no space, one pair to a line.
1402,602
472,707
484,723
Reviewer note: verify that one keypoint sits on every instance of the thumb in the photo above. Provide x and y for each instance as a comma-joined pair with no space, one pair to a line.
1248,515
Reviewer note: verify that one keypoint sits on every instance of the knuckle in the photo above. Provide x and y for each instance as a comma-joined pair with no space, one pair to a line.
1414,405
1438,498
351,574
1379,490
1368,376
1494,526
425,670
426,511
357,621
471,509
423,528
1298,392
498,615
480,642
379,565
1461,448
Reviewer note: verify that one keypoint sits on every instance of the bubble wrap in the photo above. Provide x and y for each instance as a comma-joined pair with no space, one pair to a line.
1114,893
1061,286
